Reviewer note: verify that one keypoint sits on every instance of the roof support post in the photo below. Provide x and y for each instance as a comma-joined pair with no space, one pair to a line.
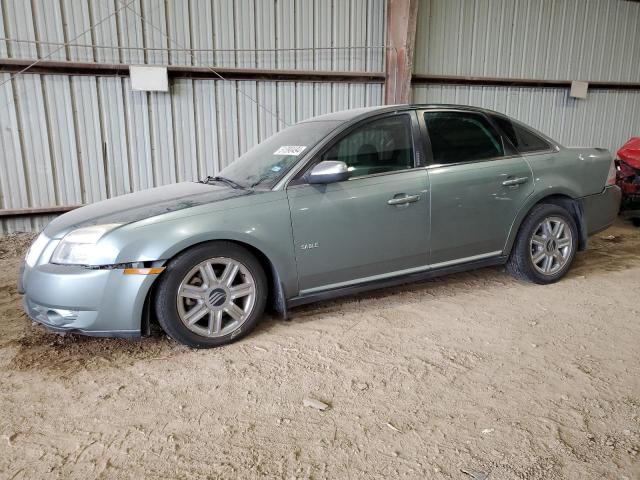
401,35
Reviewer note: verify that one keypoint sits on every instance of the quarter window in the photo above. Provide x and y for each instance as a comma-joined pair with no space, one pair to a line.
462,137
380,146
522,138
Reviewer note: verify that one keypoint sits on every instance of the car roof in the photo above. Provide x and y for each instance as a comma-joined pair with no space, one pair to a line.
359,113
356,114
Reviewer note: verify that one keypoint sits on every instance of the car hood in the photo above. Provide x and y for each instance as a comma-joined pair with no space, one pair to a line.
141,205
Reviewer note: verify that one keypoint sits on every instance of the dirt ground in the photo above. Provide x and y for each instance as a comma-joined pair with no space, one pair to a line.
475,372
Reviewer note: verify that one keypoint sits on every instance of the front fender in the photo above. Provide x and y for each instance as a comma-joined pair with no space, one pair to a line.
264,225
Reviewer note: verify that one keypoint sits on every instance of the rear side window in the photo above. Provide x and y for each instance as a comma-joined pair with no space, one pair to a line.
462,137
522,138
380,146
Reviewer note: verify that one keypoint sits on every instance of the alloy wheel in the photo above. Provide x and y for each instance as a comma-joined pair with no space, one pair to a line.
551,245
216,297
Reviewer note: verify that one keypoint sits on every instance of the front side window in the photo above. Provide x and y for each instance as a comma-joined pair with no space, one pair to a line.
380,146
462,137
521,137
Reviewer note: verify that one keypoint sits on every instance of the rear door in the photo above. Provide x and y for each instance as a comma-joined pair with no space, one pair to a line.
373,225
478,183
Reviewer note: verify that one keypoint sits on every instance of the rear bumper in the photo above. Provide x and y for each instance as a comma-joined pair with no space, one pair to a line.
601,210
102,303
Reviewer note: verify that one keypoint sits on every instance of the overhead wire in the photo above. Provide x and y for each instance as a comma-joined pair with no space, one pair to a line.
192,52
217,74
199,50
65,44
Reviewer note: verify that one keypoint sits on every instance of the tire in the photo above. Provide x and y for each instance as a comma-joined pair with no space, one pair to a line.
529,259
219,286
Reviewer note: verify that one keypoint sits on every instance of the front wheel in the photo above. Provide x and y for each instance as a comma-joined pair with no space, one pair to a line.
545,246
211,294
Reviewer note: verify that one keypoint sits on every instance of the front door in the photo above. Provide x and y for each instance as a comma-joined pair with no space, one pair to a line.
478,185
374,225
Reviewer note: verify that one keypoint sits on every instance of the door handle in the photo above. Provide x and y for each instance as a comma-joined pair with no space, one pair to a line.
403,200
513,182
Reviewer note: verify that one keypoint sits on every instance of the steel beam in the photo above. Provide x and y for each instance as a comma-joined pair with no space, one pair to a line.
23,212
423,79
115,69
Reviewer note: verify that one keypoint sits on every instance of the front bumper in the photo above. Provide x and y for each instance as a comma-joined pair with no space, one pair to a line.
601,210
103,303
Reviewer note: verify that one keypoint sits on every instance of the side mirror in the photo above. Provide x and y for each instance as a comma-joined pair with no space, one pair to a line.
328,171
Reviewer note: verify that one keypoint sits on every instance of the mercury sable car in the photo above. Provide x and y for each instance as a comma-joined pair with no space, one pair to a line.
334,205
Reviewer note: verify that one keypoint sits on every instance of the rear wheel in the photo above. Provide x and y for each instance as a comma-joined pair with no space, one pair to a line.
545,246
211,295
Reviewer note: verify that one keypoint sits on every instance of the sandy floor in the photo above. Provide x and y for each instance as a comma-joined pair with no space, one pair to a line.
469,372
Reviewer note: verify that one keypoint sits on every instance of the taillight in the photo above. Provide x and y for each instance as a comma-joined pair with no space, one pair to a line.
611,178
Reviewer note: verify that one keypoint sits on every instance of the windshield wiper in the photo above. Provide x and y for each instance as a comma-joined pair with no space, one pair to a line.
255,184
218,178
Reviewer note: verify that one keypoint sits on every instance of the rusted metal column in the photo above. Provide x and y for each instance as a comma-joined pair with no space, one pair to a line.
401,36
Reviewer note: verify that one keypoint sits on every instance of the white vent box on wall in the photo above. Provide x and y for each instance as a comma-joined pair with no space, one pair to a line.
149,79
579,89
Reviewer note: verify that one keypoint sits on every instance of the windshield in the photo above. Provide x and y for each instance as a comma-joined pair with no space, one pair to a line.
268,161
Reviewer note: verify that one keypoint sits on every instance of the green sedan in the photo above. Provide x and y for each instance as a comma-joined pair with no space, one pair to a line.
337,204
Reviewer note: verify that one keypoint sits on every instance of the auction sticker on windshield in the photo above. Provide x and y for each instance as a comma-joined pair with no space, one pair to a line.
290,150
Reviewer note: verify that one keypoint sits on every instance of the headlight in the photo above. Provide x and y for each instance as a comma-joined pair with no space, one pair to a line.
36,249
79,247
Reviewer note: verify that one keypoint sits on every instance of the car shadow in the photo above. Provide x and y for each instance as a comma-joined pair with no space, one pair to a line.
37,349
613,250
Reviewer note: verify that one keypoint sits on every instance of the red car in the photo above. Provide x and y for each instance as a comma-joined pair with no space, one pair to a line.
628,171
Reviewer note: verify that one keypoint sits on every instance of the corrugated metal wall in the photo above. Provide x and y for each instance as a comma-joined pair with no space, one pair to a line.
539,39
70,140
243,33
607,119
597,40
67,140
78,139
